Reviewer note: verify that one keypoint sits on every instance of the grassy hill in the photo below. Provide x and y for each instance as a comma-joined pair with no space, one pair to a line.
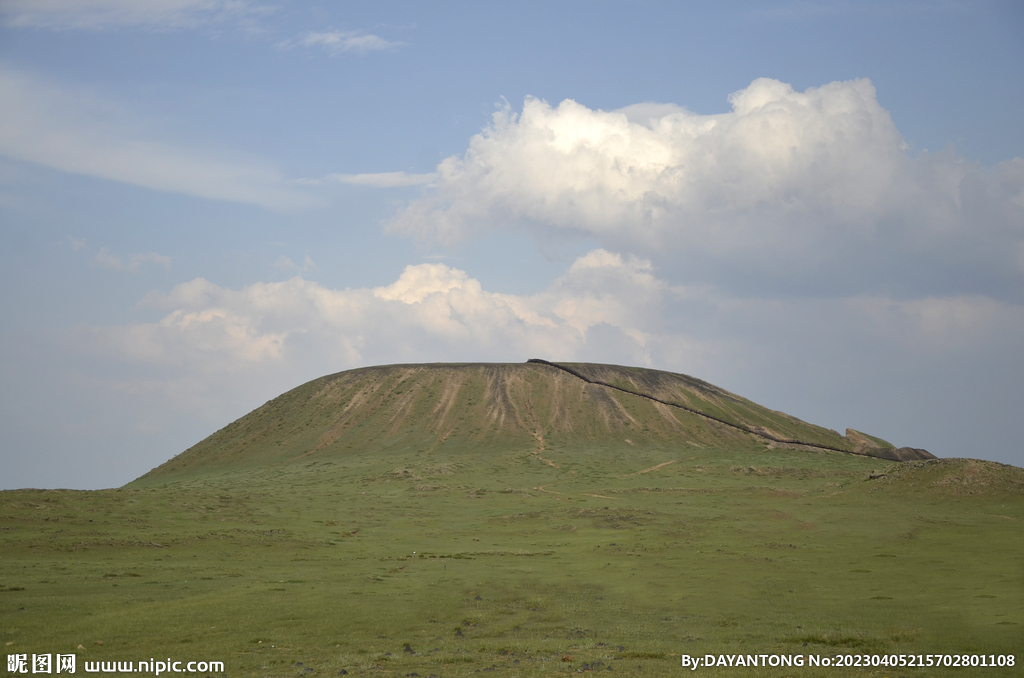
536,405
519,520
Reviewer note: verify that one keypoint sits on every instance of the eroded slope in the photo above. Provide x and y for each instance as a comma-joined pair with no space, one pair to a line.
534,406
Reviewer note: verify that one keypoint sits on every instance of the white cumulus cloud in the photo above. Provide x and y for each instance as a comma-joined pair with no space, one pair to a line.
786,186
431,310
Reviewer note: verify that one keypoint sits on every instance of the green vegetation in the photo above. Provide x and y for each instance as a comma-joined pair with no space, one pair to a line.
578,545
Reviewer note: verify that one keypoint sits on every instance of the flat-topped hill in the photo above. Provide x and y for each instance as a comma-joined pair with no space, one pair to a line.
535,405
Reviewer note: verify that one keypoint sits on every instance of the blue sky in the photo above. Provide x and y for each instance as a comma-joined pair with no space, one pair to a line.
203,203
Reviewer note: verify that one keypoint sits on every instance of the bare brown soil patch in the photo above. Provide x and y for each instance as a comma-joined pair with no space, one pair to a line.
655,468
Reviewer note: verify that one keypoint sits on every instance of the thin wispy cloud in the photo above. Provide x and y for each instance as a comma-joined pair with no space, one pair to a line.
285,263
385,179
74,243
73,130
375,179
357,42
107,259
113,14
807,10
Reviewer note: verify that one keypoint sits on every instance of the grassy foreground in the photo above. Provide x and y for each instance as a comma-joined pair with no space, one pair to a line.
470,559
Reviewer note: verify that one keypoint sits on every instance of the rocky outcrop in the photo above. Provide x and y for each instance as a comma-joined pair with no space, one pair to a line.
904,454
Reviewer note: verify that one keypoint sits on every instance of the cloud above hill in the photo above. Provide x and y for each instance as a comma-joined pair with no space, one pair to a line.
431,310
787,190
606,307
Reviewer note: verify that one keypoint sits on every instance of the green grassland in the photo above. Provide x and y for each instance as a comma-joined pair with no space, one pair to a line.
577,546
